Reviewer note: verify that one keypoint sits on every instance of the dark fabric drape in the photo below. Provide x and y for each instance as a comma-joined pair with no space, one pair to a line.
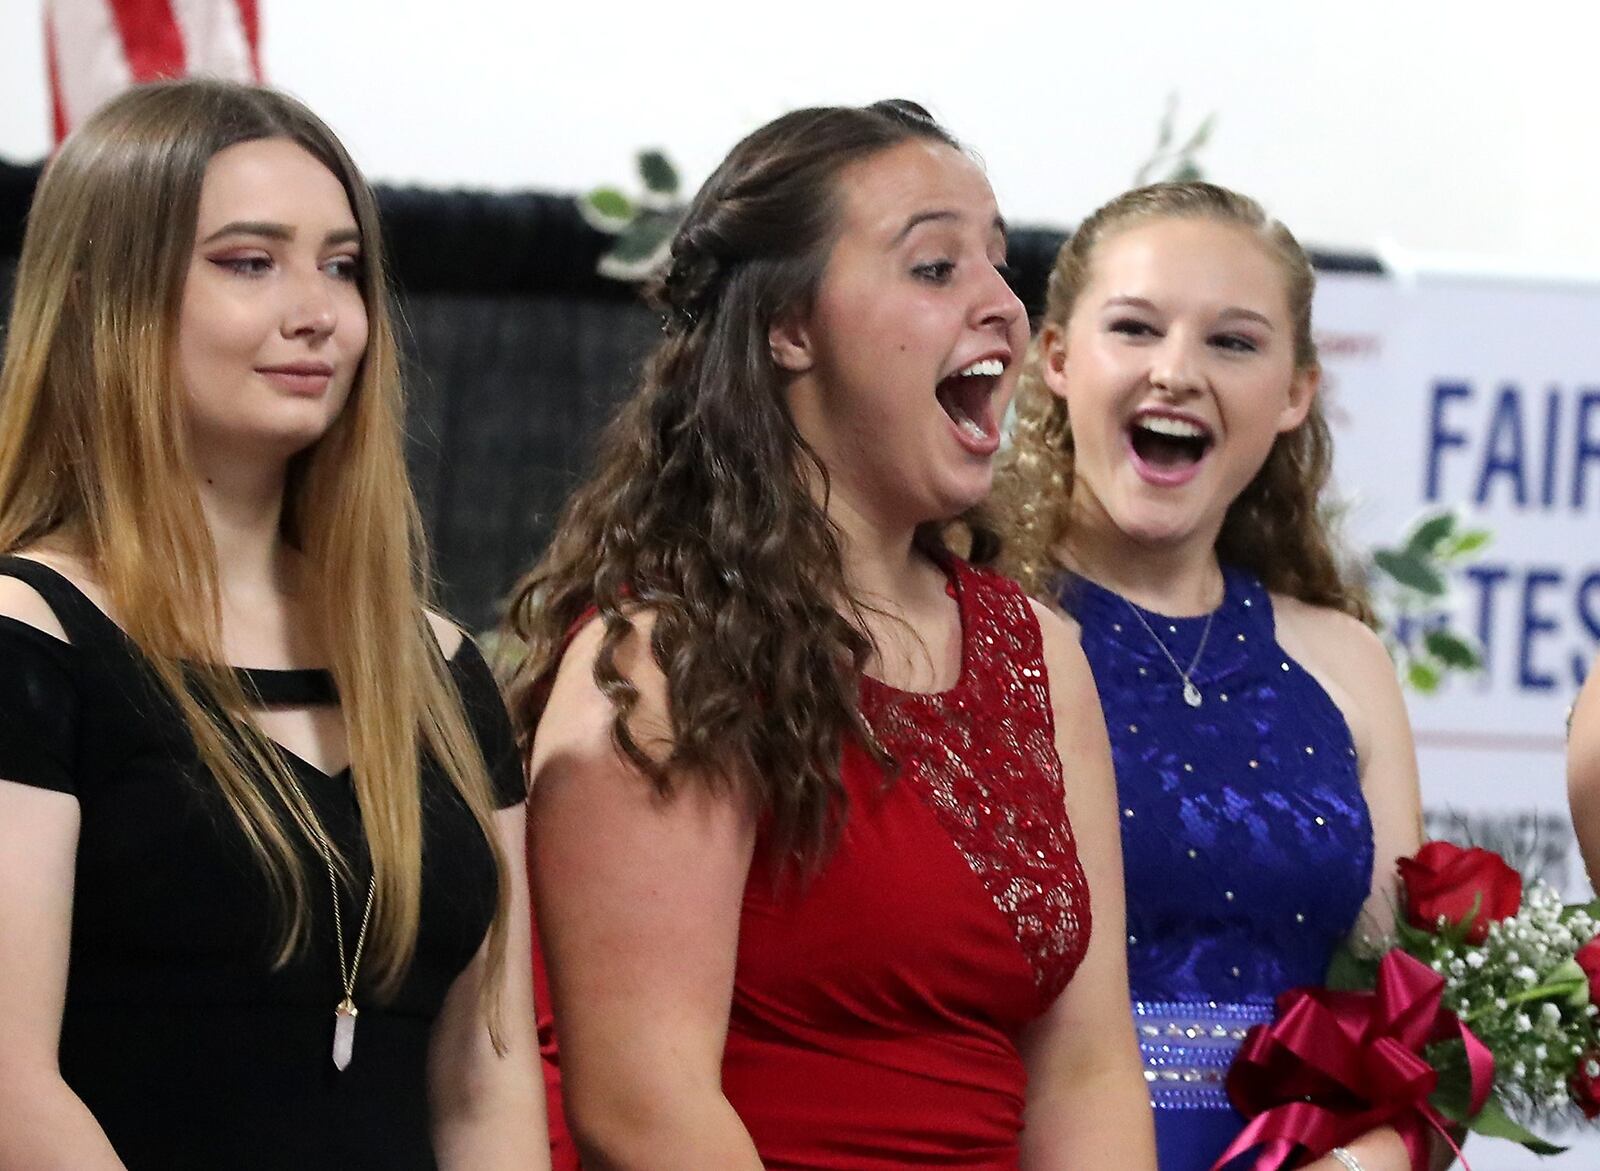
517,352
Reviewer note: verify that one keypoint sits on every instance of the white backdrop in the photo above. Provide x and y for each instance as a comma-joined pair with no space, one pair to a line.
1485,393
1461,128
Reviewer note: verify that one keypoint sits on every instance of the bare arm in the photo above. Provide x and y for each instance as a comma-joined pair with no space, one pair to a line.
1354,668
639,900
43,1124
488,1107
1583,772
1087,1102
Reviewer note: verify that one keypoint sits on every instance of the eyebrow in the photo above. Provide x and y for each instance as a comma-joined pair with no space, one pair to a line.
273,231
942,214
1231,311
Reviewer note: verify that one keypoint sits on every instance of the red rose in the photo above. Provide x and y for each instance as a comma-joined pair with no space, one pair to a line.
1445,880
1585,1084
1588,958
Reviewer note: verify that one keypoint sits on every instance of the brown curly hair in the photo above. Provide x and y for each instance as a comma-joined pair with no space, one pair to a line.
700,510
1277,528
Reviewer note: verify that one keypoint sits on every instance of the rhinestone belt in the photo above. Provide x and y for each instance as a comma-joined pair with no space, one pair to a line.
1187,1047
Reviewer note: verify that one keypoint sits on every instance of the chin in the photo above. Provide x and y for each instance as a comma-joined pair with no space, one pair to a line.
1154,527
955,504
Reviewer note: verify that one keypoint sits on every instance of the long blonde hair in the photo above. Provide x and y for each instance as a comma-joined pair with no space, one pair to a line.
93,448
1276,528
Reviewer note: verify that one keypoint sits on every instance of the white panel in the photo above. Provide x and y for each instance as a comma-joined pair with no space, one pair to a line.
89,55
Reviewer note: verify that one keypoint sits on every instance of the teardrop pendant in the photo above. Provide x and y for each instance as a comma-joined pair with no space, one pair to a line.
344,1034
1191,694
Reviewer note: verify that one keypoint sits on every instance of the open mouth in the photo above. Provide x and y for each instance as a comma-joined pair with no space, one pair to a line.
967,396
1168,444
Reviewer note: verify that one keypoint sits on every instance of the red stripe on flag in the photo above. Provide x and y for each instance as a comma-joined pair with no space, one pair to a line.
250,20
58,107
151,38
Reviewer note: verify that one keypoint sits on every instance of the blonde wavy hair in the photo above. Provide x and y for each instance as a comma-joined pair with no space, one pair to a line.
93,451
1277,528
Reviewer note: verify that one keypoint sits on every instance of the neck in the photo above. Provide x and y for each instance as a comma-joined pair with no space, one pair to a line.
880,558
243,505
1180,578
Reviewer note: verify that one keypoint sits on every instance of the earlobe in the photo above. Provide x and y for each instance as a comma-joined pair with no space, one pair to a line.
790,345
1303,391
1053,360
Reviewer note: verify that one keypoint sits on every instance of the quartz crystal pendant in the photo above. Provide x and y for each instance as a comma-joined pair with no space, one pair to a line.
1191,694
344,1033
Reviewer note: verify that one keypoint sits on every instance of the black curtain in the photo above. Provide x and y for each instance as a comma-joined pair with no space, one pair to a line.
517,351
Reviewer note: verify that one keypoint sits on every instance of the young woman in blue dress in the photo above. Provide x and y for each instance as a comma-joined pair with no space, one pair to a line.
1163,489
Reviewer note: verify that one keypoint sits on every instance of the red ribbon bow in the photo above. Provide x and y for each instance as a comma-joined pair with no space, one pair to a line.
1335,1065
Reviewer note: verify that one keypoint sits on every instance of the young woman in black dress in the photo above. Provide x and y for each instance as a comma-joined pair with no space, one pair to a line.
261,902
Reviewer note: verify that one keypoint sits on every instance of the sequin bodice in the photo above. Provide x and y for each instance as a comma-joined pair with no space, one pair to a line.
879,1000
877,1007
1245,838
983,756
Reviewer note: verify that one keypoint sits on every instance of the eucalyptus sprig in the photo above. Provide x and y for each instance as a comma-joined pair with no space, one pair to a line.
1173,161
643,224
1410,586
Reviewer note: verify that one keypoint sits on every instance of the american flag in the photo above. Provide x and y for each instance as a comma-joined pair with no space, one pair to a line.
97,48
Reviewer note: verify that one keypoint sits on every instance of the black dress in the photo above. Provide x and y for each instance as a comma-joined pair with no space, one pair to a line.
189,1050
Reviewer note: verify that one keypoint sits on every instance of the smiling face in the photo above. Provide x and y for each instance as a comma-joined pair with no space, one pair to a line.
1178,368
272,326
905,361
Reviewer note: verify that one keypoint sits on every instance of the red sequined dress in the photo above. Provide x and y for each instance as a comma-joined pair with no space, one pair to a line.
877,1007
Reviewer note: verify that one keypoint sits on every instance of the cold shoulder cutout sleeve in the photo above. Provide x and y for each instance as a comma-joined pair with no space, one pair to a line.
39,708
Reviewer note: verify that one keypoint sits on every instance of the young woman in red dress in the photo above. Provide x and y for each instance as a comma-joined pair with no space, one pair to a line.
821,812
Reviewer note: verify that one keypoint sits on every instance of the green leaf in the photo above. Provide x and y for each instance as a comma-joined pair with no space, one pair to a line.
1201,135
642,249
1348,972
1168,117
1453,1094
1592,909
1468,542
1186,172
659,175
1494,1122
607,209
1451,650
1416,940
1426,536
1423,678
1410,571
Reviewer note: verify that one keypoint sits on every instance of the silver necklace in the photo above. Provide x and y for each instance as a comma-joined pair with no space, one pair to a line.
1191,693
344,1015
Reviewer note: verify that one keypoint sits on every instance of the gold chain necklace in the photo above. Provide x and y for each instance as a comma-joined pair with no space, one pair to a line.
344,1015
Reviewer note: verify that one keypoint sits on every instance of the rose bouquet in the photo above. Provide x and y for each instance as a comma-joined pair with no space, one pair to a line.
1479,1013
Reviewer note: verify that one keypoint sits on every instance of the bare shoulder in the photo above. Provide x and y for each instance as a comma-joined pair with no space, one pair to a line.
449,635
1348,659
1583,735
1054,621
20,601
579,717
1325,640
1073,694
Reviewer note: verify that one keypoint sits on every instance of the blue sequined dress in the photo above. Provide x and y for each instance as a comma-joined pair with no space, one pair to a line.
1246,841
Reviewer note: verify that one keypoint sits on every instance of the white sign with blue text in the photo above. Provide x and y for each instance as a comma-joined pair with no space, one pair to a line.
1483,394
